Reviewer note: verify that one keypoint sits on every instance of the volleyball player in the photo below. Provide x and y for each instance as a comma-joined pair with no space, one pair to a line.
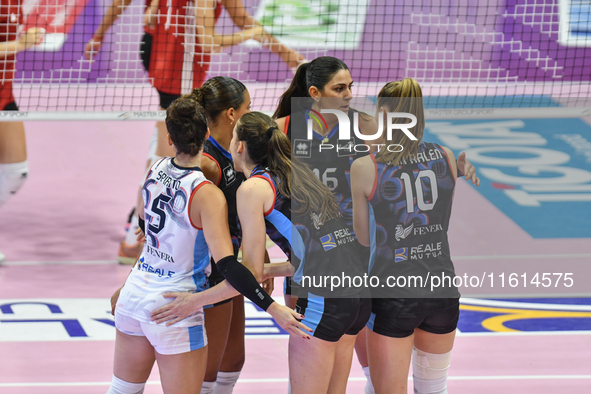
224,101
14,167
180,38
327,80
185,220
410,196
277,193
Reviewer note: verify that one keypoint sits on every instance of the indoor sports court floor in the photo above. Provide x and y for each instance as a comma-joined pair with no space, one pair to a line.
60,235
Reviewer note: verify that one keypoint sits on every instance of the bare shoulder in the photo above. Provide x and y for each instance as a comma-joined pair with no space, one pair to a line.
254,188
211,169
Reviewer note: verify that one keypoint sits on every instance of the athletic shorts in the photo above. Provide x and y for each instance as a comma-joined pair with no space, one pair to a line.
165,340
331,318
290,287
166,99
146,49
398,317
10,106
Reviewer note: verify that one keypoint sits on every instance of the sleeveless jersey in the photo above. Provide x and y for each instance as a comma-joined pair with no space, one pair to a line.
230,181
409,210
314,247
11,19
331,166
278,218
177,64
175,256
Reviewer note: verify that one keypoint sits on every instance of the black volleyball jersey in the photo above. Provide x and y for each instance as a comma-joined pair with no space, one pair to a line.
409,211
314,247
332,162
228,183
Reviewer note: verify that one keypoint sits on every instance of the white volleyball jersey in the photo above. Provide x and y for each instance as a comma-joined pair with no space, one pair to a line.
175,256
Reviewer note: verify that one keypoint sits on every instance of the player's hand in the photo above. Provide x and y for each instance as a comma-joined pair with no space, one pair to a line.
466,169
141,237
184,305
92,47
268,285
114,299
259,34
149,20
33,36
288,320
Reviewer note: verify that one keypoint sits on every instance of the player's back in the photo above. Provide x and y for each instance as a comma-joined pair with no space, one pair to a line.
175,256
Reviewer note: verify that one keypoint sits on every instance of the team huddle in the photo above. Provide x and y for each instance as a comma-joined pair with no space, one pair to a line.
233,181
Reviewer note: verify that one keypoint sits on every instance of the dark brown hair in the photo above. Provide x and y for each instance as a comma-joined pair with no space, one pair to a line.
317,73
218,94
269,147
186,125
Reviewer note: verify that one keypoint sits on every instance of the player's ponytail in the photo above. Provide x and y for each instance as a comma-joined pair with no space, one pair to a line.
186,124
297,88
219,94
402,96
268,147
316,73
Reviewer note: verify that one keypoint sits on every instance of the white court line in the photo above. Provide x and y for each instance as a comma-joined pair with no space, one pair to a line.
284,380
525,305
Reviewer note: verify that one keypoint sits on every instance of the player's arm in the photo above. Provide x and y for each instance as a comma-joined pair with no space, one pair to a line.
362,180
150,15
111,15
211,41
466,169
211,169
33,36
251,199
243,19
273,270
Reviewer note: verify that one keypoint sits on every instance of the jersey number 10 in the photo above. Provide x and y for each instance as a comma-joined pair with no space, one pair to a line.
422,205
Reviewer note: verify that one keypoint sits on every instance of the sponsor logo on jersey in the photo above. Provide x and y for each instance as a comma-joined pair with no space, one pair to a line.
401,255
346,148
425,251
328,242
229,174
432,228
302,148
402,232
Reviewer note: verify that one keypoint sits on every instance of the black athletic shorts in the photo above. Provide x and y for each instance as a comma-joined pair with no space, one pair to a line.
10,107
166,99
331,318
146,50
398,317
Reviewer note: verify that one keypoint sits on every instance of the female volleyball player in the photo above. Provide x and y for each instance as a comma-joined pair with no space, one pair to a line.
326,81
410,196
277,193
14,168
185,221
180,38
224,101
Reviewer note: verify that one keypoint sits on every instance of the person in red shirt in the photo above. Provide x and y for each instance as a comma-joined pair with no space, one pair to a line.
14,168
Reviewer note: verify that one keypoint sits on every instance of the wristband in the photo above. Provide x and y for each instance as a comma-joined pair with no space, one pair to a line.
142,224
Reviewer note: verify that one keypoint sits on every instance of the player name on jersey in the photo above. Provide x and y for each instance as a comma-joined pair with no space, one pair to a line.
168,181
423,157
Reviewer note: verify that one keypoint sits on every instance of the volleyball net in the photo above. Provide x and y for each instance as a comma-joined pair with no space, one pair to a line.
490,58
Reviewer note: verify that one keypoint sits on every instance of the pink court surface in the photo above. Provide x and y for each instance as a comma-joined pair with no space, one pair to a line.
61,232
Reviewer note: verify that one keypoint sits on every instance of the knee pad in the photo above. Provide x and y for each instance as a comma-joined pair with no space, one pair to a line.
119,386
430,372
12,177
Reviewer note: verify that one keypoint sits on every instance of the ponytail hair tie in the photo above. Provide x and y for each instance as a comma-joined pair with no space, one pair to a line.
270,131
